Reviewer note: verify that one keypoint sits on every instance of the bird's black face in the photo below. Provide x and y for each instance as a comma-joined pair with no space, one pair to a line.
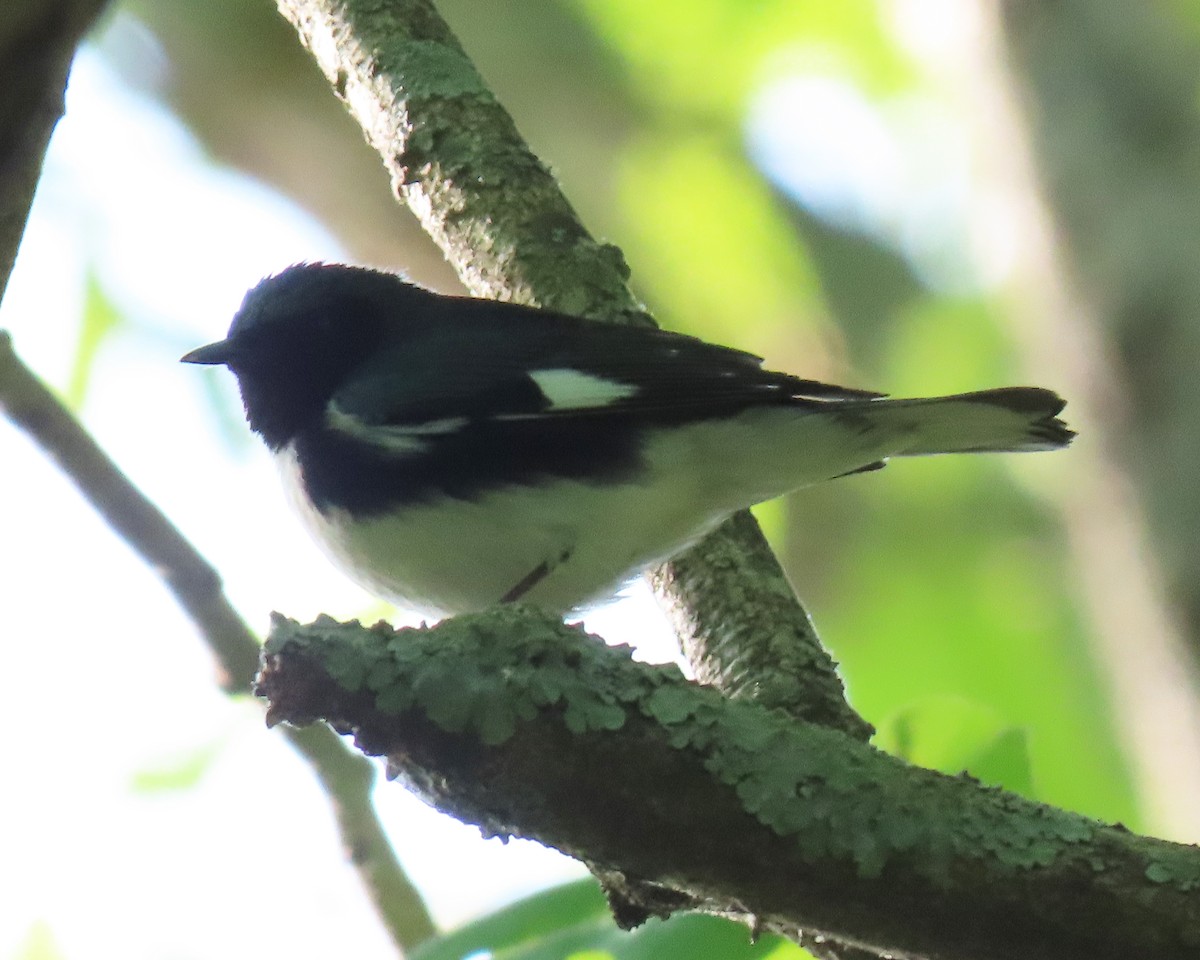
298,335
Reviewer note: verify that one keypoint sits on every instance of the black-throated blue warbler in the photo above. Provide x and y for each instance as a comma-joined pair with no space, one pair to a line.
451,453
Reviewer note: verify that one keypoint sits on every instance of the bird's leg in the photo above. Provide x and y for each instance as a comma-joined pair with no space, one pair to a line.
533,578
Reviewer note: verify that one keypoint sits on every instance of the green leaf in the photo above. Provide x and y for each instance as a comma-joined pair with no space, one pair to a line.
179,772
786,950
691,936
100,320
953,734
573,921
574,907
577,942
1005,762
39,944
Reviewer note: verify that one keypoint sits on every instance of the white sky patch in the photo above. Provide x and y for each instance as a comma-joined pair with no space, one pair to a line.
824,142
898,169
568,389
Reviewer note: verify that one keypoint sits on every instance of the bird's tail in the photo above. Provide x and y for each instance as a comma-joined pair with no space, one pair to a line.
785,451
1010,419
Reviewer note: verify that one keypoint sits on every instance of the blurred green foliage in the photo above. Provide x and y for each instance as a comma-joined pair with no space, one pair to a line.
705,57
942,587
573,921
930,580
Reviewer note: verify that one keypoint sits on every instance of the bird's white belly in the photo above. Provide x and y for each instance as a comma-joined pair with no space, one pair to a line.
453,556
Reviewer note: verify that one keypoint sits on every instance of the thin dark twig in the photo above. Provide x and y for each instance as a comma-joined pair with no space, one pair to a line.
346,777
193,582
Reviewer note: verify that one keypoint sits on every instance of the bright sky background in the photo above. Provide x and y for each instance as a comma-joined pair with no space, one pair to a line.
106,681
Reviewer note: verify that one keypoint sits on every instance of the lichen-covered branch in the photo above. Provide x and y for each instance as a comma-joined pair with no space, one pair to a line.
527,727
456,158
733,580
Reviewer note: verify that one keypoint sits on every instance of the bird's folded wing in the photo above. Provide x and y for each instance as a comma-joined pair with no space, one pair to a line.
520,364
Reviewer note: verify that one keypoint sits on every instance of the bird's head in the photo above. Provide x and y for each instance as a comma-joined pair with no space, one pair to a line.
298,335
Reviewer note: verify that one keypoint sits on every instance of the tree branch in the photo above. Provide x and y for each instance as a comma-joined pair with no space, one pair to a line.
196,586
37,43
527,727
456,158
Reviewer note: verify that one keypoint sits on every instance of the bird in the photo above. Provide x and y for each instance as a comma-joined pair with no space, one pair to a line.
452,453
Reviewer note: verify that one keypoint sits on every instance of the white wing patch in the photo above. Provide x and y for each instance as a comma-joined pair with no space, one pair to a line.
568,389
394,438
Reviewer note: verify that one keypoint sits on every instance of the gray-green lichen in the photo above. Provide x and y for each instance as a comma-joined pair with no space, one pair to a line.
484,674
1176,867
433,69
837,798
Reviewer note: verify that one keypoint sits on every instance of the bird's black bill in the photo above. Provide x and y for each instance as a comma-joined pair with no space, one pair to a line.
211,353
